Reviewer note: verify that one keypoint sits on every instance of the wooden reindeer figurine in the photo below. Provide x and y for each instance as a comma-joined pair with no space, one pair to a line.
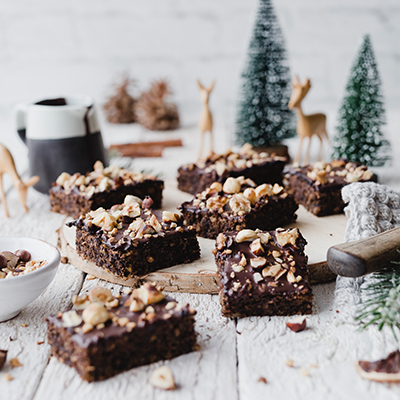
307,125
7,165
206,120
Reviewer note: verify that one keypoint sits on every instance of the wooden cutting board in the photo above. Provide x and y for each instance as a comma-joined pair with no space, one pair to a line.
200,276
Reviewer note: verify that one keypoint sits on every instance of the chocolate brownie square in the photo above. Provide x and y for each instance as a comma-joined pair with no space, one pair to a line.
238,204
259,167
78,194
105,335
263,273
131,239
318,186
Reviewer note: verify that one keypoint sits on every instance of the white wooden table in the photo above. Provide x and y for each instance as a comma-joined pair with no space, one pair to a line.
233,355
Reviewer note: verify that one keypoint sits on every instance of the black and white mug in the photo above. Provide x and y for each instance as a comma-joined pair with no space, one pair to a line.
62,135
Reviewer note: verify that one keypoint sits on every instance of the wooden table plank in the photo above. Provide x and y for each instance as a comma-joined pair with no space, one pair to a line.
68,281
323,356
209,373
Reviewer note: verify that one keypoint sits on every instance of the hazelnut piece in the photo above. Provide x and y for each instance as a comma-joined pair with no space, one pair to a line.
163,378
297,324
246,235
149,294
100,295
231,186
216,186
95,314
12,259
71,319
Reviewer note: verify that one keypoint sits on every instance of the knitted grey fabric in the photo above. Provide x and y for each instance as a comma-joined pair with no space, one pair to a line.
371,209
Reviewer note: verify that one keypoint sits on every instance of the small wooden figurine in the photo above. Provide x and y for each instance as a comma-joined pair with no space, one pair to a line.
7,165
307,125
206,120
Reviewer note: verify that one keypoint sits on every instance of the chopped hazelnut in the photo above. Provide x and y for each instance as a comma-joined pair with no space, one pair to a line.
256,247
250,194
95,314
231,186
80,302
264,190
163,378
288,236
258,262
136,305
246,235
237,268
216,186
101,295
149,294
14,362
71,319
168,216
257,277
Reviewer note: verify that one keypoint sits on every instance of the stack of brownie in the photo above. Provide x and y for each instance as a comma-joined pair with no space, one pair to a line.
78,194
259,167
104,335
238,204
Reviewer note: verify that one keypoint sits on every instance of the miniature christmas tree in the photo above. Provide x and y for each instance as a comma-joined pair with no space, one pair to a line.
361,116
264,118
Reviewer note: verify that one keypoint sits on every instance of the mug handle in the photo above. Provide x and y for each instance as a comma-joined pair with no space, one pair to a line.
20,119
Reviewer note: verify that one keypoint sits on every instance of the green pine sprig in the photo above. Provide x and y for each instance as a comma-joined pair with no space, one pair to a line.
382,306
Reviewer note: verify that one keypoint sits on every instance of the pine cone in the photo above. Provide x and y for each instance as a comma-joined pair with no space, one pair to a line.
153,112
120,108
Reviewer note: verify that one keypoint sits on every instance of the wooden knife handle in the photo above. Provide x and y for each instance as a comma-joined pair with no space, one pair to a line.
365,256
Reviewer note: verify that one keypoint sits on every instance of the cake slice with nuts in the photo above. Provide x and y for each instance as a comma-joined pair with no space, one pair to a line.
78,194
104,335
263,273
238,204
132,239
260,167
318,186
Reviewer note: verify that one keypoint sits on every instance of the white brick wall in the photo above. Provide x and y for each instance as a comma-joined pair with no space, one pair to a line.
52,47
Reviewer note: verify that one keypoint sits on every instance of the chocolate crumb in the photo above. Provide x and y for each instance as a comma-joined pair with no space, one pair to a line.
24,325
64,260
262,379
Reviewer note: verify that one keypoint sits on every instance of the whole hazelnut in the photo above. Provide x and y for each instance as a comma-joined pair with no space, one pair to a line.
23,255
3,262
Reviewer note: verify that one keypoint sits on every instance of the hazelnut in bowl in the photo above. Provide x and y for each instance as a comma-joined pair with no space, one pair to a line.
27,266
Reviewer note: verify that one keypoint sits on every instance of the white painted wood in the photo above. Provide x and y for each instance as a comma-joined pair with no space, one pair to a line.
68,281
265,344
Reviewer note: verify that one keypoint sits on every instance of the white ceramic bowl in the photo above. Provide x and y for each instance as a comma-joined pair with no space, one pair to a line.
17,292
